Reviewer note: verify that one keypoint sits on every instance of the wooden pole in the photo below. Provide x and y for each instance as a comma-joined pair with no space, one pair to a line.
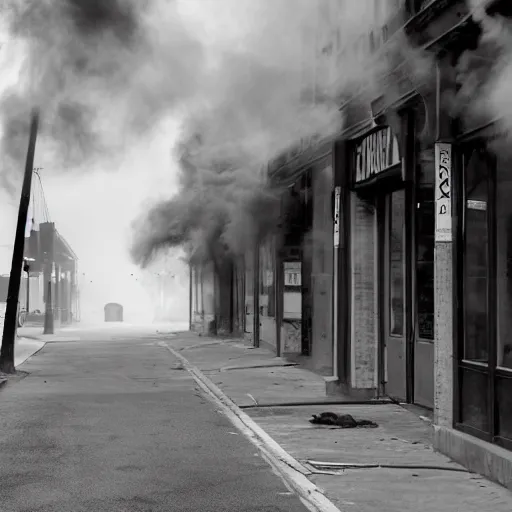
11,313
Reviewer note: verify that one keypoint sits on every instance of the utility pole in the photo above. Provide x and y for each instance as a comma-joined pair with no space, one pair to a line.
11,312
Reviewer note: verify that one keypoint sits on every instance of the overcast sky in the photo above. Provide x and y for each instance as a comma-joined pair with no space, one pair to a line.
93,210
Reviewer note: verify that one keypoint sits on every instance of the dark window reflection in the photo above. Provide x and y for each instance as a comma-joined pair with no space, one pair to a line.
396,263
504,263
475,258
425,220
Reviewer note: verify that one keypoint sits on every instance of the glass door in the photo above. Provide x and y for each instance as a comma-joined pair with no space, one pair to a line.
393,268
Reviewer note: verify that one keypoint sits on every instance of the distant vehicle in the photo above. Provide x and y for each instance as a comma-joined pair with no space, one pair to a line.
113,312
22,314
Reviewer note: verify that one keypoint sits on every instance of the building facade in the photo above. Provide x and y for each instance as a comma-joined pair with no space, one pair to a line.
388,271
52,270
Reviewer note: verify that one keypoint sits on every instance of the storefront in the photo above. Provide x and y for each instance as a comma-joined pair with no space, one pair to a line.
483,351
290,295
392,261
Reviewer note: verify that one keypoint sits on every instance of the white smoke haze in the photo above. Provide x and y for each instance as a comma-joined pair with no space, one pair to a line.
101,72
492,78
265,91
249,79
246,79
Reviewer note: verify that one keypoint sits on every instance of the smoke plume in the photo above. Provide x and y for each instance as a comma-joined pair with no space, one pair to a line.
101,71
271,87
249,79
485,72
270,93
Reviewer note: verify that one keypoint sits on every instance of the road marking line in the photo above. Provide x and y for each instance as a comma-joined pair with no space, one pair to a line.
289,469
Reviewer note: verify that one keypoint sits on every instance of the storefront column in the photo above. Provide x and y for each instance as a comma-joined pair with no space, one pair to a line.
443,262
443,329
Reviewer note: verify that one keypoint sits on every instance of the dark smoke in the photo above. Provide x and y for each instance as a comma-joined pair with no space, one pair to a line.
261,104
219,210
102,72
93,16
105,72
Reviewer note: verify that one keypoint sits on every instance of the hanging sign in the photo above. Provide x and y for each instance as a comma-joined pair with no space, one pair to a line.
443,191
375,154
337,195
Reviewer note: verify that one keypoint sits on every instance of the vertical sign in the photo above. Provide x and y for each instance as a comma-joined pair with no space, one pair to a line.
443,192
337,194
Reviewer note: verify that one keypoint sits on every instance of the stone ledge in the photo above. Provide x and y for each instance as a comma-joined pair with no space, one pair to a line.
478,456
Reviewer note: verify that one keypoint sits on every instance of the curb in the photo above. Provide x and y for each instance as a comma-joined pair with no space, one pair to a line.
44,343
293,473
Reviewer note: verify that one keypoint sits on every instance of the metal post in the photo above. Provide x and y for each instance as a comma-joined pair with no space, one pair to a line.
11,313
28,290
190,297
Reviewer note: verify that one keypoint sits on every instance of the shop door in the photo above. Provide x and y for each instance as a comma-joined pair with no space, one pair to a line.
422,307
393,279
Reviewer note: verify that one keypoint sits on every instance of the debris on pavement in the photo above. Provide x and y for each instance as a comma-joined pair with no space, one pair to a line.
341,420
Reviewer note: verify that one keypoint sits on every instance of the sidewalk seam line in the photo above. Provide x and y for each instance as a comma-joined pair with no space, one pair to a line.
290,470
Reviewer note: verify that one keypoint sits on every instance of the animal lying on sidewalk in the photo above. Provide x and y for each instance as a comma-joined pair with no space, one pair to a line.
341,420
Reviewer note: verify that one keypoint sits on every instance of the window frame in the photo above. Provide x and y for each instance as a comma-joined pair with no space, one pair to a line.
492,372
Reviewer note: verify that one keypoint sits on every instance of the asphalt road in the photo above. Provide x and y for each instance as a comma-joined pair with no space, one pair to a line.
116,425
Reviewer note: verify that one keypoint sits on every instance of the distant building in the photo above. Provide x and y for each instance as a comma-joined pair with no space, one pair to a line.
53,263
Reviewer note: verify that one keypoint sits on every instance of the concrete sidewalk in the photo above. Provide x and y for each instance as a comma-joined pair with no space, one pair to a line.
23,350
392,468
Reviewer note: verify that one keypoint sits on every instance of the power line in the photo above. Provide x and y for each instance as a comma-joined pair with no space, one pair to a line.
46,211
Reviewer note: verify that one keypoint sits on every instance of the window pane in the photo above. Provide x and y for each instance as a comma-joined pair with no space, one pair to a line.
474,404
425,262
396,263
475,259
504,263
504,400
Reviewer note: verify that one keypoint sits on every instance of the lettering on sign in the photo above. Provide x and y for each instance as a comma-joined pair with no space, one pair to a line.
292,273
443,165
376,153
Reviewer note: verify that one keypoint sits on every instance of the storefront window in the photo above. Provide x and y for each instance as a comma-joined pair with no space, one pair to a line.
425,227
476,328
487,297
396,263
504,263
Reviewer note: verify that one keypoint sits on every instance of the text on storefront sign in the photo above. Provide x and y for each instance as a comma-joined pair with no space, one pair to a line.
376,153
